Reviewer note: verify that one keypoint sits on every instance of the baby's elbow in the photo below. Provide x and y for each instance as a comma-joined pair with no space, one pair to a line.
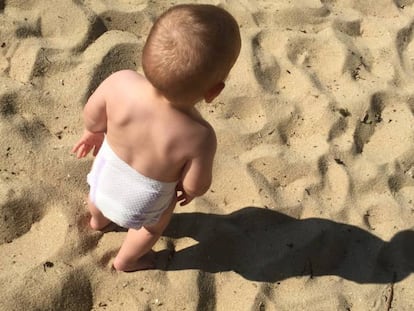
203,190
197,191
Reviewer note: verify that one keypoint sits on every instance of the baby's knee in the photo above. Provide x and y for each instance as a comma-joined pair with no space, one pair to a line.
154,230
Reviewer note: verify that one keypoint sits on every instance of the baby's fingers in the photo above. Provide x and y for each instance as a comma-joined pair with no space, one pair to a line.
83,151
181,197
80,151
76,147
185,202
80,145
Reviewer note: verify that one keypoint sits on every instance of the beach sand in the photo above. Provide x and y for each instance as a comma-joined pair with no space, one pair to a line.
312,203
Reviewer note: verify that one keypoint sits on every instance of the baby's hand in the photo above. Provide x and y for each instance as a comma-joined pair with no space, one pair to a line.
183,198
88,141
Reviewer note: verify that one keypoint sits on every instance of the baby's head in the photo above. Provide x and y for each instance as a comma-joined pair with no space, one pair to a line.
190,51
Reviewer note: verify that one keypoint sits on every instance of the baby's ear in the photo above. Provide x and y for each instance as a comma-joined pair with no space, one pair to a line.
213,92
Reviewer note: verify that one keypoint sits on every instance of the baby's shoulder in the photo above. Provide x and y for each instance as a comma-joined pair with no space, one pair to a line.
125,76
123,84
200,132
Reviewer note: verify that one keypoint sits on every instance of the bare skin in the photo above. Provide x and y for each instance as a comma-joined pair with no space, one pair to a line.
163,140
135,253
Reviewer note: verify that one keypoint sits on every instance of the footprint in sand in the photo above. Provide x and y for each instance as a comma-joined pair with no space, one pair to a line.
18,212
410,104
320,57
340,126
366,127
29,29
375,8
113,51
405,47
403,3
402,176
242,115
60,32
8,105
26,60
281,183
351,28
31,130
53,285
266,68
294,16
358,59
126,16
385,119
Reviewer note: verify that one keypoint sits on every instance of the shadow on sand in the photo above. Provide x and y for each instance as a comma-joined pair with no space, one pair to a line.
267,246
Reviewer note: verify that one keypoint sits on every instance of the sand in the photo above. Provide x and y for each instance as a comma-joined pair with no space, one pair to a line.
312,203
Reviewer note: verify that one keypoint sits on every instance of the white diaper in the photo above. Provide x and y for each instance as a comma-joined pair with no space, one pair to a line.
123,195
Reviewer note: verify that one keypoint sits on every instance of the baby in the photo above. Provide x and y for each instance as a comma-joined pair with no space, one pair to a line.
149,140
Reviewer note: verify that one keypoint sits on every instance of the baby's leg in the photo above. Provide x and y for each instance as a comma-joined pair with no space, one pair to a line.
98,220
136,249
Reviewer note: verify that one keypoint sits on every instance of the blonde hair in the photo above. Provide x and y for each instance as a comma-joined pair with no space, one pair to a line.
189,49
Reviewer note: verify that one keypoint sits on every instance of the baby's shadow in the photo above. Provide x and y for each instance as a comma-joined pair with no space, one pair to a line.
267,246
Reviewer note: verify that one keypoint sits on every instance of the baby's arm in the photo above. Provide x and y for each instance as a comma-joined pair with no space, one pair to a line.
197,174
95,118
94,113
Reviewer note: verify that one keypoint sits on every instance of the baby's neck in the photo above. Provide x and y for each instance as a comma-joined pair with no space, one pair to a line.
187,108
183,105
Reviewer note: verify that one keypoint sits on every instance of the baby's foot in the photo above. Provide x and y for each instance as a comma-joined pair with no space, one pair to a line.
144,263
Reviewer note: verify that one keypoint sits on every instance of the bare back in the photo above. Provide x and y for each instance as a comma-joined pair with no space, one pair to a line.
148,133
